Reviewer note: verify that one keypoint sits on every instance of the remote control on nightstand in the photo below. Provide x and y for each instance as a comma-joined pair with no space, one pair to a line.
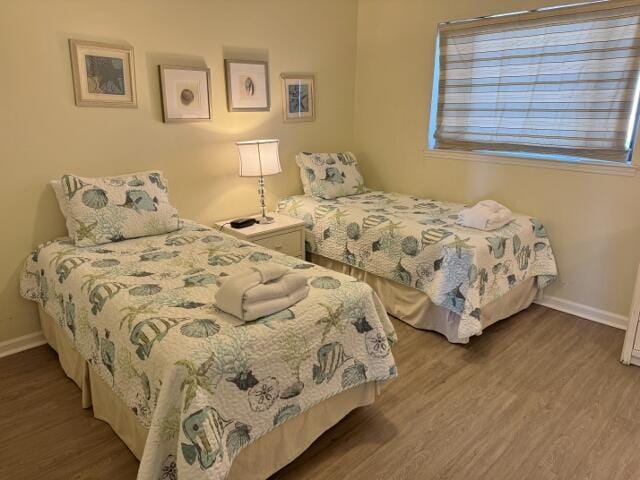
243,222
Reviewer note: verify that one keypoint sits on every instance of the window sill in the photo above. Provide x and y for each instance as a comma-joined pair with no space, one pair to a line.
598,168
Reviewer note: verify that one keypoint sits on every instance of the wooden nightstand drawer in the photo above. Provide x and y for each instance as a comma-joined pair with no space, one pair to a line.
288,243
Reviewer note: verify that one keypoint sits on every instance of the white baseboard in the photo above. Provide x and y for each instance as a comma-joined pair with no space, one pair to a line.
615,320
584,311
19,344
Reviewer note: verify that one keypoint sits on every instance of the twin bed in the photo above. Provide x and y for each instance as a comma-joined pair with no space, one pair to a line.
188,387
194,390
428,271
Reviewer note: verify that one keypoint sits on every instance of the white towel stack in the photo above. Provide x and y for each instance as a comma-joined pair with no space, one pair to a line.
485,215
260,291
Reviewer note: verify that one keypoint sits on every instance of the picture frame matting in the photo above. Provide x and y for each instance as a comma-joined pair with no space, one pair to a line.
187,104
247,83
298,97
103,74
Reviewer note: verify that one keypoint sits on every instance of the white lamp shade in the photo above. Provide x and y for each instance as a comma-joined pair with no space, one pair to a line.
259,157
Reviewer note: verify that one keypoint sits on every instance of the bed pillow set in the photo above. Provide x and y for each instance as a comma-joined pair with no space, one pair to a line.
110,209
330,175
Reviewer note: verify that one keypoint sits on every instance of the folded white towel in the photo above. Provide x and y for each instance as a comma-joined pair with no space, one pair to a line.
260,291
289,282
485,215
253,311
492,205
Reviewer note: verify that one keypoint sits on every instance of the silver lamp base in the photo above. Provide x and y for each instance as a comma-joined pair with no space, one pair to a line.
265,220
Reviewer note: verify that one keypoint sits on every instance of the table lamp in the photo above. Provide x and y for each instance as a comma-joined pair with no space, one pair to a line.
257,159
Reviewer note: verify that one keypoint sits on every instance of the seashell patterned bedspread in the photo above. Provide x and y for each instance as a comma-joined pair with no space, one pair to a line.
142,313
415,241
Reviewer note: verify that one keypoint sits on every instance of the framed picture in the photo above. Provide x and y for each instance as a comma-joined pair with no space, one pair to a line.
298,97
186,93
103,74
247,86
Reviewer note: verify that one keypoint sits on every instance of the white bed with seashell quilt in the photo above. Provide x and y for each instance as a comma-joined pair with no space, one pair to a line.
191,388
427,270
194,392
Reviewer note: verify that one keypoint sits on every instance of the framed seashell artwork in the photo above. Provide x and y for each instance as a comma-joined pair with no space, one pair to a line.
298,97
103,74
247,86
186,93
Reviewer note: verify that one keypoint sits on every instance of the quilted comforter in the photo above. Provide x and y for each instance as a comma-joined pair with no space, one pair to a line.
142,313
416,242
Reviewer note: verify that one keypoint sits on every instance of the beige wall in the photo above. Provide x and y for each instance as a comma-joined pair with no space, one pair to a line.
593,220
42,133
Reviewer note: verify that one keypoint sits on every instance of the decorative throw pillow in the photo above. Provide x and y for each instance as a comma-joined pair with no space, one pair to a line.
109,209
330,175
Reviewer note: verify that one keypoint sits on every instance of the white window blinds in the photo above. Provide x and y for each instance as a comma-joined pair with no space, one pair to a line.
559,82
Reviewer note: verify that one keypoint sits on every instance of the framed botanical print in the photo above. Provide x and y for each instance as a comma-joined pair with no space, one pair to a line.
247,86
186,93
103,74
298,97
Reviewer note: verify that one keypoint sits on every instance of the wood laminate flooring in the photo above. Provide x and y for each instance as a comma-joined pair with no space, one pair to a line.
539,396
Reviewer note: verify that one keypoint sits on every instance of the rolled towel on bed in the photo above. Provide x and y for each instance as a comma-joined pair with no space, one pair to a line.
260,291
485,215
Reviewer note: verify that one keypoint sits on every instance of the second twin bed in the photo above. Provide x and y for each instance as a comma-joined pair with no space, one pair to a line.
428,270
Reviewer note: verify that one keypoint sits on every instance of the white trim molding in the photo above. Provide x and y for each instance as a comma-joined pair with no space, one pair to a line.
19,344
604,317
584,311
593,167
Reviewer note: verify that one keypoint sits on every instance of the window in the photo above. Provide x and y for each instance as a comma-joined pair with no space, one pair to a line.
555,81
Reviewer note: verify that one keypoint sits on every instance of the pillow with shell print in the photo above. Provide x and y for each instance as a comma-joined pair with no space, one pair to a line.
330,175
110,209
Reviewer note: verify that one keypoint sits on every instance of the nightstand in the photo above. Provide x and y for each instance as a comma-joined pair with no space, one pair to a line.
285,234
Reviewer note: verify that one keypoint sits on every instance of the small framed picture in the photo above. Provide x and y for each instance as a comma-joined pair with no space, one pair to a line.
103,74
247,86
186,93
298,97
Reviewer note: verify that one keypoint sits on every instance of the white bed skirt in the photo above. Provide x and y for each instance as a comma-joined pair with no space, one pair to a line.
415,308
258,461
